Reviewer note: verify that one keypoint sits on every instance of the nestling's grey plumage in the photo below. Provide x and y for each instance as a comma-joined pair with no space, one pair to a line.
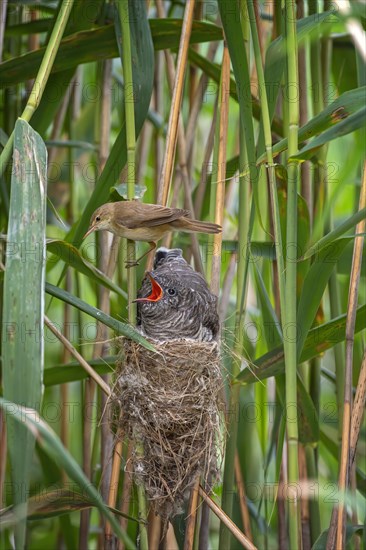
174,301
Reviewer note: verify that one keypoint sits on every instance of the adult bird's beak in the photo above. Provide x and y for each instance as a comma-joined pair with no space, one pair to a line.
156,291
90,230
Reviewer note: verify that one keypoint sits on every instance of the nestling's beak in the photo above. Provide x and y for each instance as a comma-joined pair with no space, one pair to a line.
90,230
156,292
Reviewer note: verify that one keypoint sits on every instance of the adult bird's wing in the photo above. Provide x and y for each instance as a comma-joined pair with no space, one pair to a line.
148,215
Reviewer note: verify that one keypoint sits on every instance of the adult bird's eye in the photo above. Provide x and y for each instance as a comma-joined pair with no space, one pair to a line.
97,219
171,291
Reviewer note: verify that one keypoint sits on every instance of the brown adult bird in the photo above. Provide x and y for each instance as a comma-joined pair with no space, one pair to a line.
145,222
175,302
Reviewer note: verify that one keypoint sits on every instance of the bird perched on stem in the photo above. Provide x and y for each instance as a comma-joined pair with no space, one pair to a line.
175,302
145,222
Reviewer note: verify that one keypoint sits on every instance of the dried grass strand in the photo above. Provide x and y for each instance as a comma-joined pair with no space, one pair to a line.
171,401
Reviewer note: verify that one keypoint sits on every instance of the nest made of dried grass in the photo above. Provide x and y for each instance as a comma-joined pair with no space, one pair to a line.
171,401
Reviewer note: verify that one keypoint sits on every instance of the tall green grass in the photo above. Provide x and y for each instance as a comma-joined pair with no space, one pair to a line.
287,298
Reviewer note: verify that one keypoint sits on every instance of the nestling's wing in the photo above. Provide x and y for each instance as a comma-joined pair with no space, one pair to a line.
211,317
149,215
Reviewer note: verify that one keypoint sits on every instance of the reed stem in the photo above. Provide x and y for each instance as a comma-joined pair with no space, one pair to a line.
172,133
290,345
266,121
123,11
233,27
221,171
344,468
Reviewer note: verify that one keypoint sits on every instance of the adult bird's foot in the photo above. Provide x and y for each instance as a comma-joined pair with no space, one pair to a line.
131,263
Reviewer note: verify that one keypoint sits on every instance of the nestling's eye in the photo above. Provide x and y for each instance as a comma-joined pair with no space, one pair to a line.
171,291
97,218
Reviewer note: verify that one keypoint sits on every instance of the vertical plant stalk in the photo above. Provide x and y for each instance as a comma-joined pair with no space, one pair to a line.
291,269
123,11
356,423
221,171
41,78
58,125
247,156
226,287
113,485
195,109
89,435
312,471
144,148
266,121
282,523
320,66
217,201
232,421
193,73
321,74
142,514
306,180
191,519
3,440
110,477
159,107
88,390
317,77
154,529
201,188
305,512
343,479
242,499
64,390
3,7
358,409
166,174
126,486
3,452
259,30
182,152
338,351
106,442
214,181
102,131
231,18
117,451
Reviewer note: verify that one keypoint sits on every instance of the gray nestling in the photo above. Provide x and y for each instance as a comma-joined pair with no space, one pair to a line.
175,302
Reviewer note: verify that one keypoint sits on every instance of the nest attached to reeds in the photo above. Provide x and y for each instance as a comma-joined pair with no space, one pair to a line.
171,402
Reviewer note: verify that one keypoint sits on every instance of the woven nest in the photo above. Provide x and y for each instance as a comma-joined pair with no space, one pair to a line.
171,402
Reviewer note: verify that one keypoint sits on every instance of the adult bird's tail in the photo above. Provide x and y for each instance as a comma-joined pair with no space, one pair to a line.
196,226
